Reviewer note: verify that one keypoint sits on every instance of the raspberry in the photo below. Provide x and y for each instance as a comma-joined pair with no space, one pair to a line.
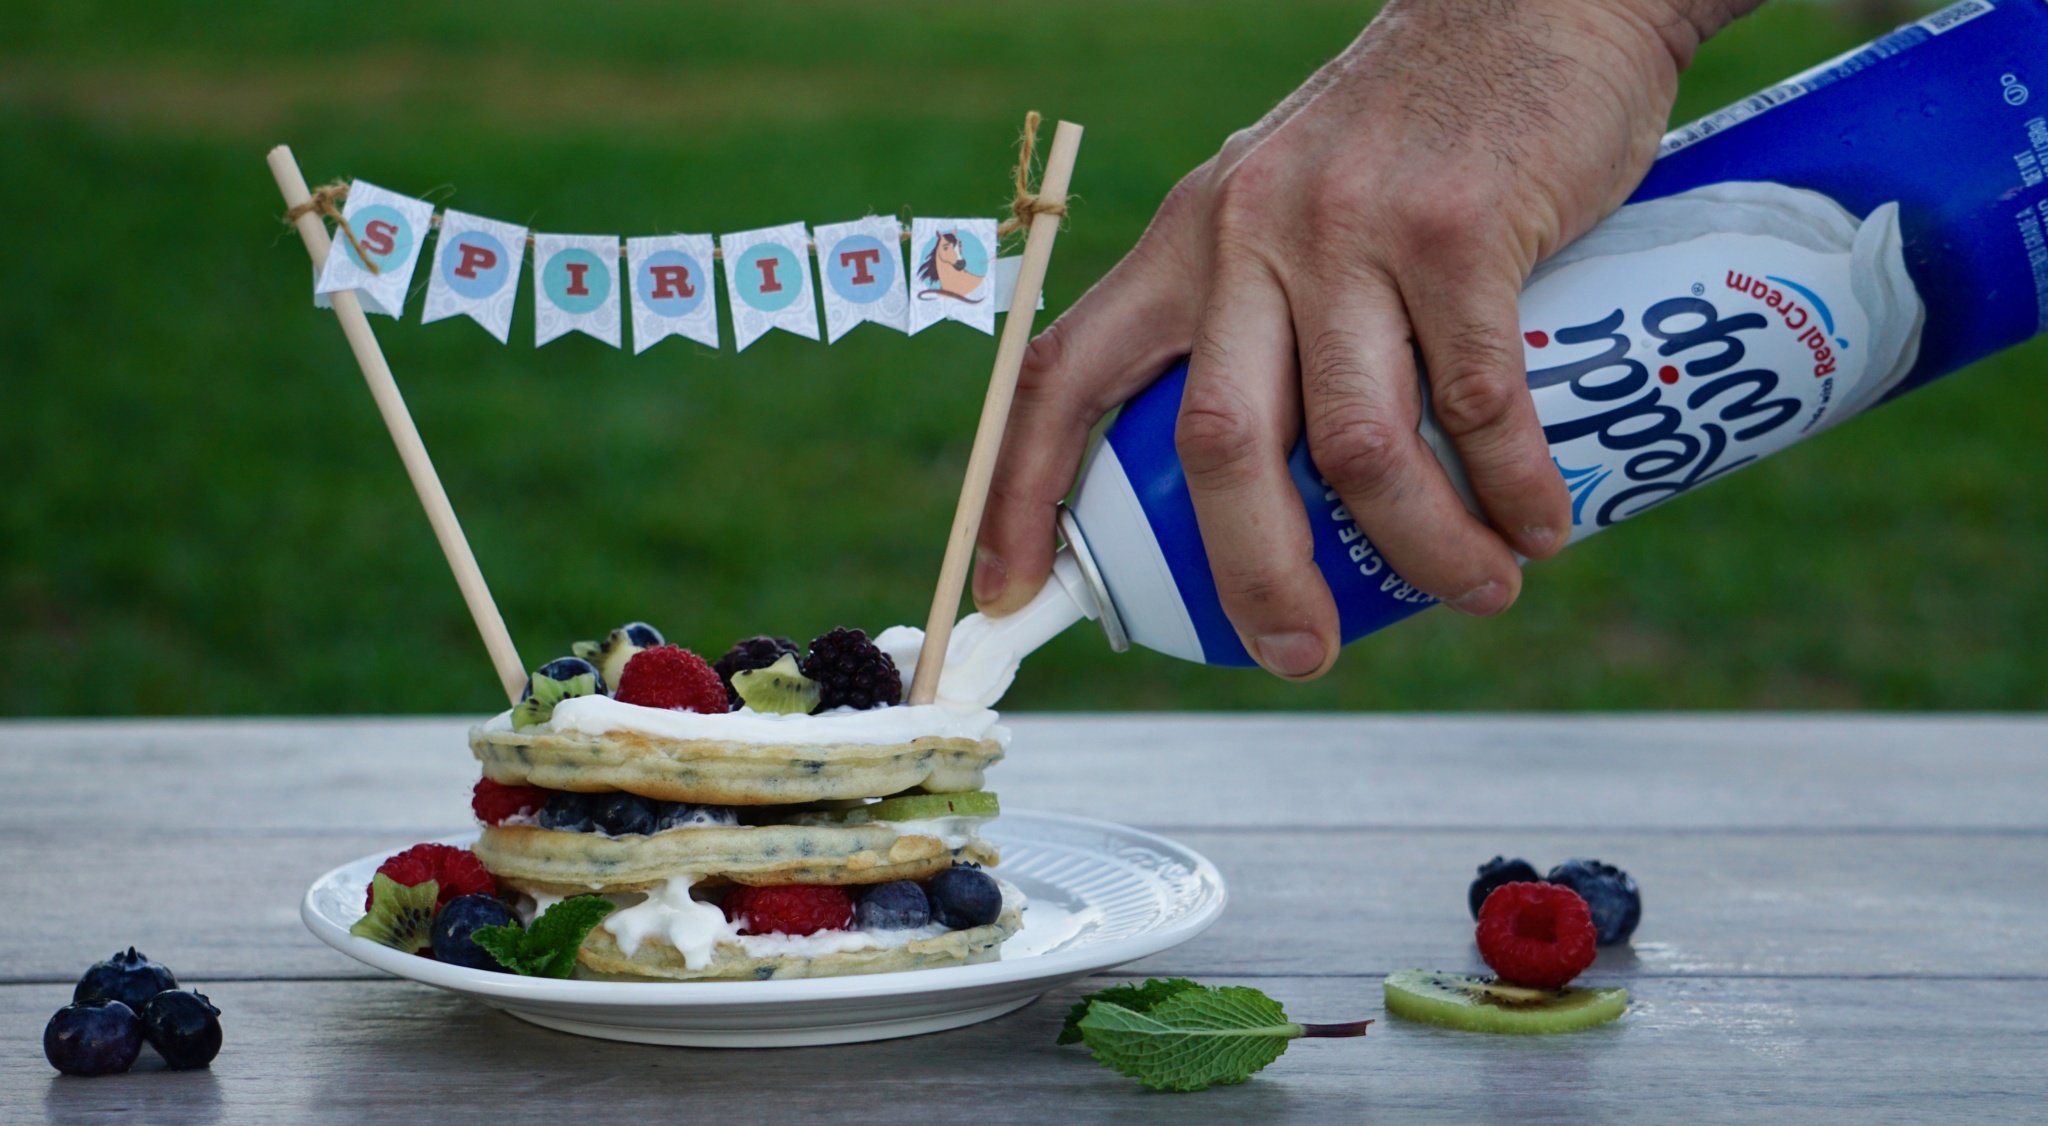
672,677
789,909
753,653
457,869
851,672
494,802
1538,935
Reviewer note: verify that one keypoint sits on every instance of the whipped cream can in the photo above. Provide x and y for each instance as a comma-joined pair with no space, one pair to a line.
1823,246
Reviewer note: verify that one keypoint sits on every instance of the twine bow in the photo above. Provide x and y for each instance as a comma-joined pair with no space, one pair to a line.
1027,204
324,198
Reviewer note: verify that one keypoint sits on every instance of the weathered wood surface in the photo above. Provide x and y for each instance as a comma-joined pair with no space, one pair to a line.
1845,919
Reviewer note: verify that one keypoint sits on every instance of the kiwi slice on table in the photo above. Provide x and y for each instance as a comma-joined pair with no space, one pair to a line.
1481,1004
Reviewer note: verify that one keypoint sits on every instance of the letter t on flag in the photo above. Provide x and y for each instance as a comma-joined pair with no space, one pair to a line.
862,266
768,276
670,279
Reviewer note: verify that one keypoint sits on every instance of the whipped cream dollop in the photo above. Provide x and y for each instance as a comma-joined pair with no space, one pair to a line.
598,715
984,653
695,928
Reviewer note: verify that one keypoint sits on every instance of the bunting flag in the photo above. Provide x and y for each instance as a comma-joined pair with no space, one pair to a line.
579,284
950,263
768,276
391,229
576,287
862,266
672,289
475,272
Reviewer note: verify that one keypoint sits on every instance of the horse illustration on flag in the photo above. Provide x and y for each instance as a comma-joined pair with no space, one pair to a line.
944,272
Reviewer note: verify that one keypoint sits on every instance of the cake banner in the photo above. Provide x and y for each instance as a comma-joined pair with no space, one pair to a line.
673,291
950,263
768,276
576,287
580,284
862,266
475,272
390,229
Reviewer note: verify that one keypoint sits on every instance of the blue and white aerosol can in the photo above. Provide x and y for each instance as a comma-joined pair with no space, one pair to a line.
1831,243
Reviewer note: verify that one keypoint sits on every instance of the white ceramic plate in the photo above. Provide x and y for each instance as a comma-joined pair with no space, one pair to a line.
1100,895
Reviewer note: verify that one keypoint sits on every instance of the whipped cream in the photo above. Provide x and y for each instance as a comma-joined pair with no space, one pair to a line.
599,715
696,928
983,653
955,833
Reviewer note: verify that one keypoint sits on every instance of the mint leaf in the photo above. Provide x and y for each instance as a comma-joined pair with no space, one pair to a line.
548,948
1136,998
1192,1039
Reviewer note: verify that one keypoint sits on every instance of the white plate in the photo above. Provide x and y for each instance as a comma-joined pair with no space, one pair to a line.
1100,895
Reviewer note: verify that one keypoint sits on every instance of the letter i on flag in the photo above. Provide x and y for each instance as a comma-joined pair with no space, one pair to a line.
576,287
475,272
768,274
862,266
391,229
672,289
950,264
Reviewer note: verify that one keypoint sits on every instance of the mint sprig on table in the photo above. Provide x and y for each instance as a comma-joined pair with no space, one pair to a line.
1179,1035
548,947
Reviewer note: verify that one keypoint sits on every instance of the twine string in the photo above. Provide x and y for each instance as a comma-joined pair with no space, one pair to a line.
324,198
1027,205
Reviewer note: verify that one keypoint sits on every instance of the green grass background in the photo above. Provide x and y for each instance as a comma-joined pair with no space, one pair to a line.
203,514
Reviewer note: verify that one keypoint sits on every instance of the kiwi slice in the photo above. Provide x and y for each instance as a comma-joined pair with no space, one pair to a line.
779,689
1481,1004
913,807
400,917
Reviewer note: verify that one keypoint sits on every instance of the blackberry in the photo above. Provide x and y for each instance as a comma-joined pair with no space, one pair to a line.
851,672
753,653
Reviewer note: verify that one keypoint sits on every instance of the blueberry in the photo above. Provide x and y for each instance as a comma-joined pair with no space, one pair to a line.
184,1028
453,926
642,635
568,811
962,897
1616,904
92,1038
680,814
1496,872
898,906
622,814
128,977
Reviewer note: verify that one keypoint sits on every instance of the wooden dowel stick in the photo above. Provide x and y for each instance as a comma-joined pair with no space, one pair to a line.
995,416
412,451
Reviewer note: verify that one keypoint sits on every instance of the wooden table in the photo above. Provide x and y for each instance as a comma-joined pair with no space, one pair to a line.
1845,921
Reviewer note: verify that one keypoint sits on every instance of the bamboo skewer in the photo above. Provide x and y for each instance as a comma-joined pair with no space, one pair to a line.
411,450
995,416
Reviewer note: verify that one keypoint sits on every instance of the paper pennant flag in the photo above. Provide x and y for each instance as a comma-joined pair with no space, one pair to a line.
768,276
672,289
576,287
862,266
950,262
391,228
1007,269
475,272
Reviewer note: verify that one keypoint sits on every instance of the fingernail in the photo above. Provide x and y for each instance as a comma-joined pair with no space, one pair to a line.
1482,600
1289,654
1538,540
990,576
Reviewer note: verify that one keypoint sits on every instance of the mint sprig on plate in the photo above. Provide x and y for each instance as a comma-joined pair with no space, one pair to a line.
548,947
1179,1035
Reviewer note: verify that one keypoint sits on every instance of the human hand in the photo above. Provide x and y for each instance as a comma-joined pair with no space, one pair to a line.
1395,202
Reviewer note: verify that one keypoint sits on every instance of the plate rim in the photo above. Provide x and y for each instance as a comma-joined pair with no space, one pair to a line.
514,989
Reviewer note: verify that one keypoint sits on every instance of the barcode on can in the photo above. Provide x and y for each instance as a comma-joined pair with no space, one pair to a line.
1955,15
